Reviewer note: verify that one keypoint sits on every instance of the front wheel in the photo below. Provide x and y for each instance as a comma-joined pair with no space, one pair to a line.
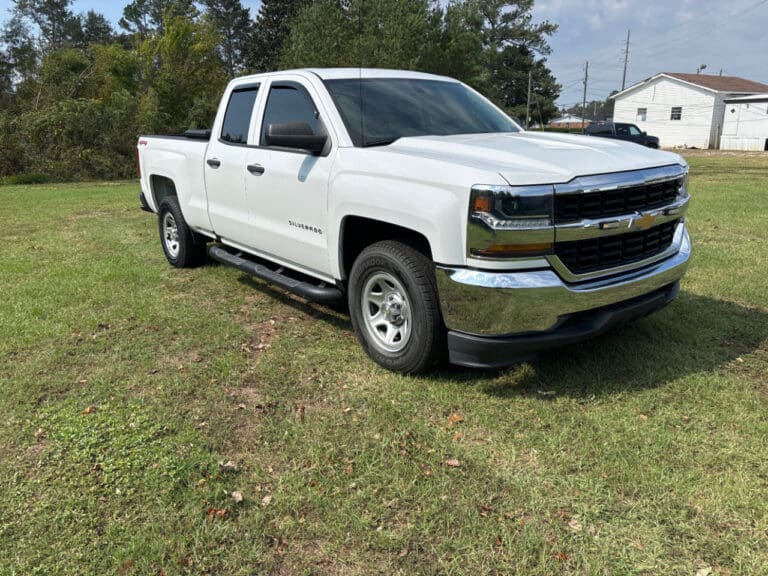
394,307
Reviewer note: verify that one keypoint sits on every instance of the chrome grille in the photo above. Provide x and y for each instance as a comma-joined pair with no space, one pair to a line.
584,256
607,203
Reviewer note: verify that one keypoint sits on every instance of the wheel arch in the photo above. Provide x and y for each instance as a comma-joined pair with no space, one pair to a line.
161,187
358,232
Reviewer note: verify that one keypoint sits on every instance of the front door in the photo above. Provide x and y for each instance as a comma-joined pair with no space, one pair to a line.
287,189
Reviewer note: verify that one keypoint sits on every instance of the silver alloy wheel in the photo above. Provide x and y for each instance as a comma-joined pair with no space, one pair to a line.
386,312
171,235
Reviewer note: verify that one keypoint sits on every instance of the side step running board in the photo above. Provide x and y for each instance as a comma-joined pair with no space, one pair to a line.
321,294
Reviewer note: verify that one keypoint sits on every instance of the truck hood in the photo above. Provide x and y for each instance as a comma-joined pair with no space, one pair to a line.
535,157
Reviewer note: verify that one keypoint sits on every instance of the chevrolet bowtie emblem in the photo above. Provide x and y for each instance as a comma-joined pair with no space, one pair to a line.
644,222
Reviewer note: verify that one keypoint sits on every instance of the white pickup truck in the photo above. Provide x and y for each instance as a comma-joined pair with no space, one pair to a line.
451,232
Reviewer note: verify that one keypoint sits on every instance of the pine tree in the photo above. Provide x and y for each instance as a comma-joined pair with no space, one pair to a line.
50,16
233,23
96,28
271,30
144,17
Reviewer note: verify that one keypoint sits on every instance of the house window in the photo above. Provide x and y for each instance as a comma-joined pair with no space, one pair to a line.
677,113
642,113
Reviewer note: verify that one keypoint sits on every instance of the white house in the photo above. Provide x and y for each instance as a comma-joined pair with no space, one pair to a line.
683,110
745,126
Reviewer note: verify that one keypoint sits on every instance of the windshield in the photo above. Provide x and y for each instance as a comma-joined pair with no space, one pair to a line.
398,107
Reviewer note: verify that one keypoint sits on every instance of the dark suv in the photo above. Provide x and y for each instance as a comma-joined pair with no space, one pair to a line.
622,131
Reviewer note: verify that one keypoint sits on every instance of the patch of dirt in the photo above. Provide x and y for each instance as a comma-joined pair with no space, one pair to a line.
300,557
261,337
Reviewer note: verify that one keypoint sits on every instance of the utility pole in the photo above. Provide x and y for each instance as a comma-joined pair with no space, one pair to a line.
584,99
626,61
528,105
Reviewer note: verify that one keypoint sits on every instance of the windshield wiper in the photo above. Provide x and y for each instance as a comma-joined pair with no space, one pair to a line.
380,142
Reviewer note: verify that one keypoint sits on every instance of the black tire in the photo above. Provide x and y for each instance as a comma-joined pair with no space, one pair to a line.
182,249
403,280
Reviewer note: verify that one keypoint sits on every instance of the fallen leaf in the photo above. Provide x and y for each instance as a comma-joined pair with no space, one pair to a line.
82,381
705,571
454,419
228,466
643,417
201,482
90,409
237,497
498,542
298,410
562,556
403,553
241,406
575,525
457,436
453,463
214,513
125,567
266,500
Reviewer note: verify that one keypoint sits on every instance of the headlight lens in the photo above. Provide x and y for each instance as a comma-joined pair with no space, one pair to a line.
682,191
510,221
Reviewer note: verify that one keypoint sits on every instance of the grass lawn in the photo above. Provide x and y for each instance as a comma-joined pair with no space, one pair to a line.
139,404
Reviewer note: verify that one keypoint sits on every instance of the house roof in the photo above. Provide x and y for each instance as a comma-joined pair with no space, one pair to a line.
721,83
727,84
753,98
568,118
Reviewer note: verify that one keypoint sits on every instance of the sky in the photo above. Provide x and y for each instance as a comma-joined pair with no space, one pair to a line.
666,36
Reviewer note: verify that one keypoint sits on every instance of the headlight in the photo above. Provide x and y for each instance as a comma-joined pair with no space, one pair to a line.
682,190
510,221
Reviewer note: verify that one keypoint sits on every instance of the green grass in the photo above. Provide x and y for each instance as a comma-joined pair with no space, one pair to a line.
126,384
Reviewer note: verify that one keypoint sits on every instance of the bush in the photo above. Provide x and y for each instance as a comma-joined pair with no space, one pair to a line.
24,179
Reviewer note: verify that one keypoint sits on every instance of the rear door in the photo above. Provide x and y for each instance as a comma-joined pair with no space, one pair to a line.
225,166
287,189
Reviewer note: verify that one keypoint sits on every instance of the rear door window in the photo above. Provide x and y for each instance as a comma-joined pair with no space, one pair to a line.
237,118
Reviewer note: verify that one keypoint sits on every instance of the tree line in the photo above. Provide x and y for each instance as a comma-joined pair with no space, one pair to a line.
75,92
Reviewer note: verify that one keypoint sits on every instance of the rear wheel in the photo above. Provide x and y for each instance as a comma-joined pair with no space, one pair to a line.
180,246
394,307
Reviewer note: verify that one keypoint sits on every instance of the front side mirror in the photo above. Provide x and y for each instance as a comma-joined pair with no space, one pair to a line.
297,135
645,133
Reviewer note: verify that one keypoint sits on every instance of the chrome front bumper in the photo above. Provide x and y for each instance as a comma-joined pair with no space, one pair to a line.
492,304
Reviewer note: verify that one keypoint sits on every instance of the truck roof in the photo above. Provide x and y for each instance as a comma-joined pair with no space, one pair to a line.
354,73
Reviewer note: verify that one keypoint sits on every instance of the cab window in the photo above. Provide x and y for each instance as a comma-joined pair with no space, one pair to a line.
290,102
237,118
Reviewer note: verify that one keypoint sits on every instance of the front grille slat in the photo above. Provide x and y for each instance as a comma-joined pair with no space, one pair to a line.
593,254
607,203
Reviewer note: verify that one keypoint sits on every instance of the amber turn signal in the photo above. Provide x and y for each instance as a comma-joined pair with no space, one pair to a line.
514,250
481,204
